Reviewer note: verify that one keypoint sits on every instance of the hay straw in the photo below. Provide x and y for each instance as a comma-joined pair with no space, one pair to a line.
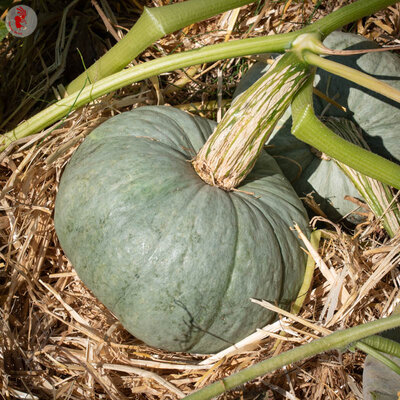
57,341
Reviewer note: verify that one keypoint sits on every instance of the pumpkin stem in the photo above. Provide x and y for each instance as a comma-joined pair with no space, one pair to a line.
232,150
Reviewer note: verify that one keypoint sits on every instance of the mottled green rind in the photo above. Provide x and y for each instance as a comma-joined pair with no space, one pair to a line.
378,118
177,260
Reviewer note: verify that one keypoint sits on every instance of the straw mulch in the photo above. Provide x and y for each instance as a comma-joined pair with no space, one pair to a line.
58,342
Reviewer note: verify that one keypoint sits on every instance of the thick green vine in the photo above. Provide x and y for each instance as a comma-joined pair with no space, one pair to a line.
275,43
336,340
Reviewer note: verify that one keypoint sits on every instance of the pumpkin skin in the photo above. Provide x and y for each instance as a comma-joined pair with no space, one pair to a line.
176,260
378,117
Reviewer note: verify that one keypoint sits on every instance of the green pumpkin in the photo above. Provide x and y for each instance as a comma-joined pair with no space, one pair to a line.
175,259
378,117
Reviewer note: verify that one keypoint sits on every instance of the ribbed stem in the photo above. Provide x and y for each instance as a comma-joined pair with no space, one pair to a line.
378,195
383,344
231,151
309,129
153,24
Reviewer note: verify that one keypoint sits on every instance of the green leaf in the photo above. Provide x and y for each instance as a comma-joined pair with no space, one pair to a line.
3,30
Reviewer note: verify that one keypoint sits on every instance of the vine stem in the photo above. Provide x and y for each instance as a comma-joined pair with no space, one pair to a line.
336,340
383,344
353,75
142,71
347,15
238,48
153,24
309,129
157,22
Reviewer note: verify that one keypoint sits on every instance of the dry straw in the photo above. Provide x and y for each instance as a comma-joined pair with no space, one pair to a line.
57,341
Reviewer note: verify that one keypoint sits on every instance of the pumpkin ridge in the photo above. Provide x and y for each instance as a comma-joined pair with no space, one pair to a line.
200,128
204,135
174,145
265,191
274,219
167,151
145,118
219,308
201,131
243,199
253,205
190,187
182,128
259,192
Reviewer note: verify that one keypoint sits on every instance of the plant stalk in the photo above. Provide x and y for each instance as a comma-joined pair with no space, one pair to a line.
308,128
347,15
232,150
238,48
336,340
353,75
157,22
63,107
153,24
